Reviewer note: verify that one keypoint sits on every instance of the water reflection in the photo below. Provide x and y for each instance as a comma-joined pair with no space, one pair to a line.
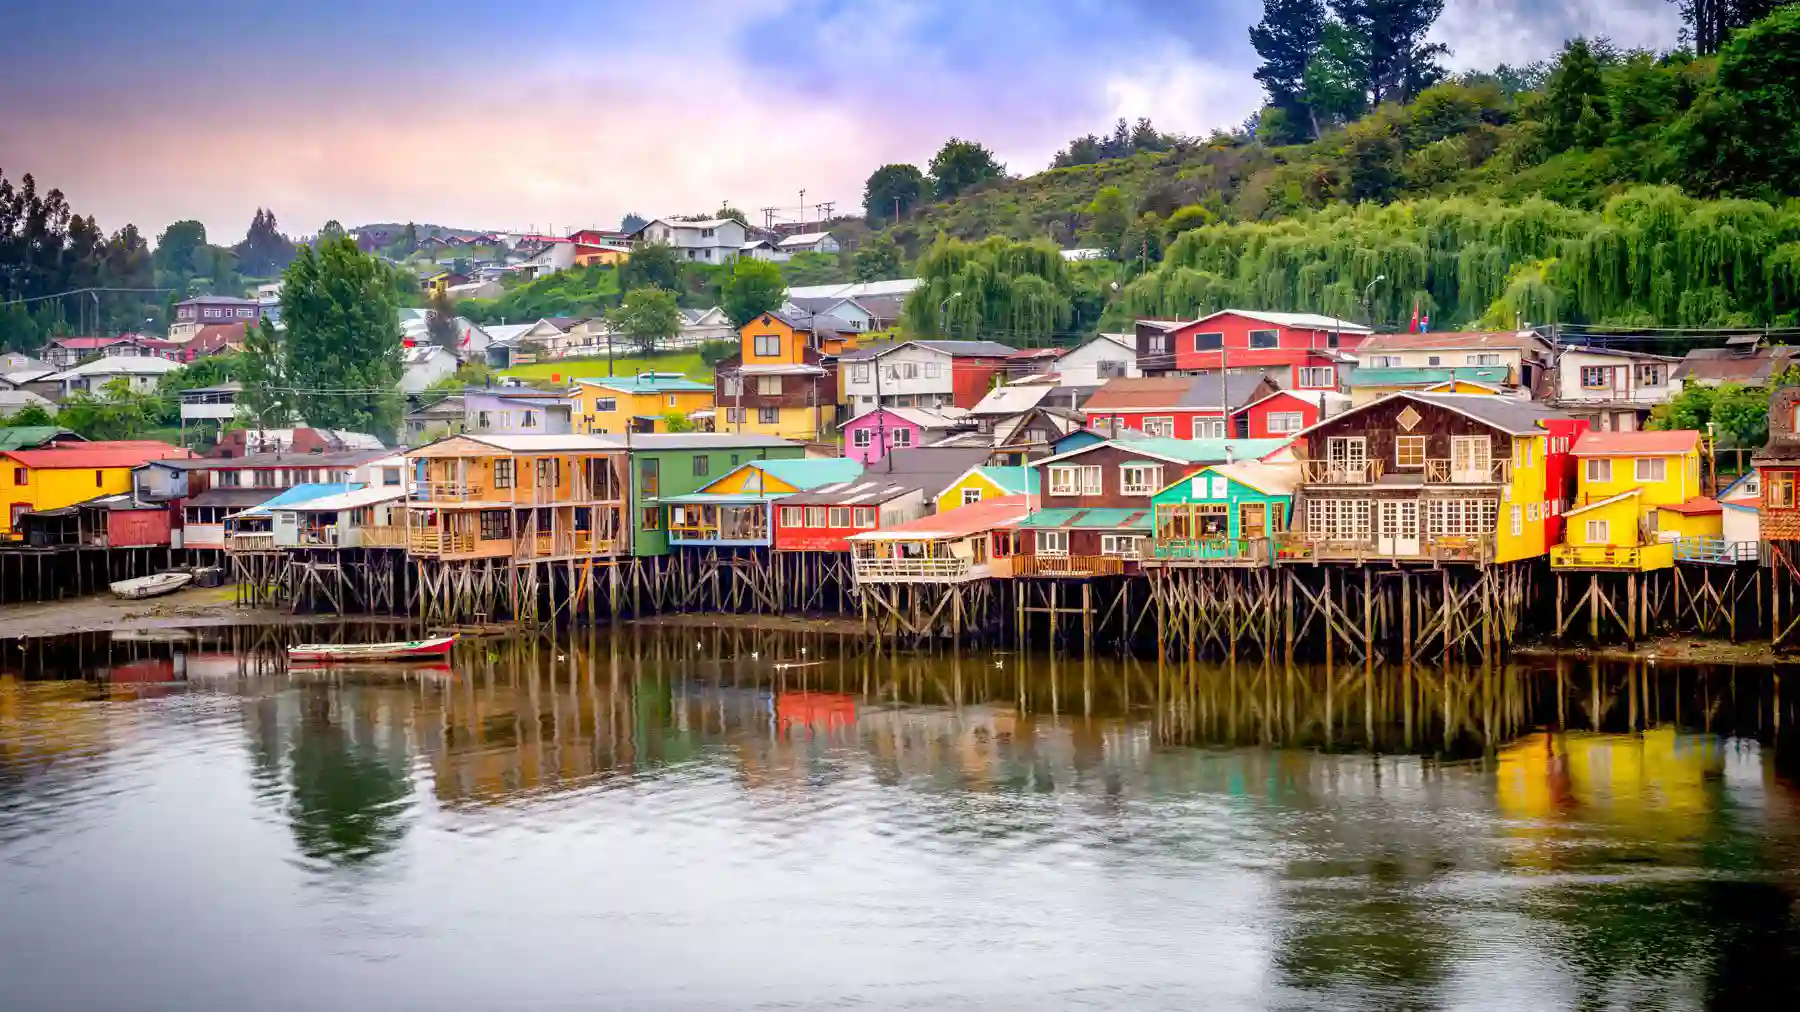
1544,834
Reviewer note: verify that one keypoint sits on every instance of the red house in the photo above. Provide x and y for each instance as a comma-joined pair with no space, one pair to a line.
819,520
1286,412
1559,471
1296,350
1184,407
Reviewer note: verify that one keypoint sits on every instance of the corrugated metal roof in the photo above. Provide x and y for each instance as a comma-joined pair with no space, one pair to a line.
960,522
1636,444
297,494
117,453
811,472
1453,340
1697,506
1088,519
1424,376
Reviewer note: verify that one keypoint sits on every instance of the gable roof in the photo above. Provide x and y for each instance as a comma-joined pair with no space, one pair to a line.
1608,501
1329,402
356,498
1722,365
1298,321
1182,451
1279,478
114,453
1424,376
1588,349
804,239
122,365
297,494
1011,399
924,418
810,472
1139,393
1697,506
1636,444
1115,518
957,523
32,437
1016,480
1454,340
1509,414
647,383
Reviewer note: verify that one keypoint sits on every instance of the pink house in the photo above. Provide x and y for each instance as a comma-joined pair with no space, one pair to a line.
870,435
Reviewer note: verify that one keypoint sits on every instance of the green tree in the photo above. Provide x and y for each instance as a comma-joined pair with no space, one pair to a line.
440,320
714,352
1109,216
116,412
1400,63
1334,79
264,251
646,317
1576,91
675,421
878,259
631,222
960,164
727,211
996,289
341,349
30,414
1287,39
181,250
652,265
1743,134
890,186
755,287
265,402
1190,217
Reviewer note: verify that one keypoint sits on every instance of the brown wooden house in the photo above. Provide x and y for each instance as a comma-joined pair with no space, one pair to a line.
1779,465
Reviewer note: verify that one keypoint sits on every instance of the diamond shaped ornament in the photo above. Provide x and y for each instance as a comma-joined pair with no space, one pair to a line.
1409,418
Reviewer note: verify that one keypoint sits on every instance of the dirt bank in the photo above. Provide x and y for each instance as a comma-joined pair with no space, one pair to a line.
1670,649
184,609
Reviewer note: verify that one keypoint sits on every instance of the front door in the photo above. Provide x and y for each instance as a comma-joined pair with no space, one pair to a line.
1397,532
1470,458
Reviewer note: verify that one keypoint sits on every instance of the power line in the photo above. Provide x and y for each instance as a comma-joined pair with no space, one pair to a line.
85,291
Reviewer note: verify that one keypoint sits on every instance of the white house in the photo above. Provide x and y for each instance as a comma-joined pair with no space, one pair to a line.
1107,356
426,365
211,404
1741,505
141,374
915,374
699,326
808,242
13,401
489,288
1614,389
713,241
900,287
557,255
763,249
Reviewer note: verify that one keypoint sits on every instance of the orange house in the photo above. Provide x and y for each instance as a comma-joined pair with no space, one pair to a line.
779,383
530,498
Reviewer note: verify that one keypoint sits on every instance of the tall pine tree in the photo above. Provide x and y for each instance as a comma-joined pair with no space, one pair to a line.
1287,39
1400,62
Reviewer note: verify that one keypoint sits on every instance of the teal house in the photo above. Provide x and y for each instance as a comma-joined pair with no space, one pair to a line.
665,465
1224,513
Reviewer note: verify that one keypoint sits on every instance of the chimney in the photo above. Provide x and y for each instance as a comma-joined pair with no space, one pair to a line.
1230,452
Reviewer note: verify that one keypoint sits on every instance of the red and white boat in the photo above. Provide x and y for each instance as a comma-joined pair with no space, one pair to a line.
362,653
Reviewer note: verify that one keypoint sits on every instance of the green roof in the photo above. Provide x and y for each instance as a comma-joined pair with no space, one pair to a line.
1108,519
27,437
810,472
1195,451
647,383
1400,377
1012,480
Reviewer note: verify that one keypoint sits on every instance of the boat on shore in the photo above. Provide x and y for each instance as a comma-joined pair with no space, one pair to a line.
432,649
156,585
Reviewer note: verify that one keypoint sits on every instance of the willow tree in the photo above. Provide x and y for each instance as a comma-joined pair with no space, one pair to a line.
997,289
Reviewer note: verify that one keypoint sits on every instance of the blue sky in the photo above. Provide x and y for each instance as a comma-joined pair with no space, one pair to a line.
568,113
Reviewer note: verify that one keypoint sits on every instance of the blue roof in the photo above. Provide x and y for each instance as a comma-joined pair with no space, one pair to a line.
810,472
299,494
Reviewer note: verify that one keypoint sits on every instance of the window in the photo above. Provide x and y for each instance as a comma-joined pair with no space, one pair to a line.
864,516
1157,344
734,416
481,419
494,525
933,370
702,465
1485,358
815,516
1209,342
1318,376
1286,422
1164,426
1409,451
606,404
1337,519
1218,487
862,438
861,373
1461,517
1752,486
900,438
99,479
265,478
1652,468
1534,512
650,518
1652,374
731,384
1594,377
1108,369
1599,470
229,479
530,419
1780,494
1518,521
649,477
1053,542
21,476
1120,546
1434,360
768,416
1209,428
768,386
767,346
1265,338
1140,479
909,370
549,472
1598,532
840,516
1075,480
971,496
1524,452
390,476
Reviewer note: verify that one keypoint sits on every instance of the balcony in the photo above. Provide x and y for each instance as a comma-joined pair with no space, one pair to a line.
1440,472
1060,566
1341,472
1717,551
1298,546
260,541
1621,558
945,569
1213,551
384,536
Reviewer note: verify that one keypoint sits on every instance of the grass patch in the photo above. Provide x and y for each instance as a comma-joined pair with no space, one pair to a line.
687,363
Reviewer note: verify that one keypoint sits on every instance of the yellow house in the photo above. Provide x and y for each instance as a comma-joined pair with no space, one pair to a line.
778,384
61,476
979,483
439,284
642,403
1638,503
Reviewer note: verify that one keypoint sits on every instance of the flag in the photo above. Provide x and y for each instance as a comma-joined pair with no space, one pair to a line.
1415,317
1425,324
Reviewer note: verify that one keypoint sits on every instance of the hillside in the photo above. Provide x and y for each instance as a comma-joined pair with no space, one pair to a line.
1624,189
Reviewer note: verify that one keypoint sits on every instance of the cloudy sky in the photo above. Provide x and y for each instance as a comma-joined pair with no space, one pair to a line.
568,113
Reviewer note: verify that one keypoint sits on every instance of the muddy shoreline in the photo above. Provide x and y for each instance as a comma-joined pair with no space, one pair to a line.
193,608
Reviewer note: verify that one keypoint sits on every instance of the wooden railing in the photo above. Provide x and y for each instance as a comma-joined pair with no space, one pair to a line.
1636,557
1238,550
254,542
1068,565
1298,546
384,536
1439,472
1337,472
915,570
427,541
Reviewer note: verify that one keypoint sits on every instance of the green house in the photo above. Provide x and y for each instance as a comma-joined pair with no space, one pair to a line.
681,463
1224,513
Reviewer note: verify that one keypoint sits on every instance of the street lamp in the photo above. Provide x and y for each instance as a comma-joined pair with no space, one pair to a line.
943,308
1370,287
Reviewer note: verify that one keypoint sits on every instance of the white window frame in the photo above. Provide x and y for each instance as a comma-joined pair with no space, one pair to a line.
1148,479
1518,521
1598,470
1652,469
864,516
1122,546
900,439
1160,425
1599,532
971,496
1384,361
605,404
1317,376
934,370
861,373
1209,428
1053,543
1065,479
1286,423
815,516
793,516
862,439
1601,377
1484,358
838,516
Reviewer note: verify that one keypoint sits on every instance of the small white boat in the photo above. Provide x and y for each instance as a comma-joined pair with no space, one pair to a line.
151,586
435,649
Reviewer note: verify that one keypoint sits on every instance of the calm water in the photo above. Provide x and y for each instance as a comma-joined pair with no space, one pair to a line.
707,819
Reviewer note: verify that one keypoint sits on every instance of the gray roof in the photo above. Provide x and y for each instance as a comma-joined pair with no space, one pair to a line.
704,441
1519,417
1204,390
233,498
872,488
815,323
989,349
349,458
932,468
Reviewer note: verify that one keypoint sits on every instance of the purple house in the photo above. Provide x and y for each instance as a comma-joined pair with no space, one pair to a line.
516,411
870,435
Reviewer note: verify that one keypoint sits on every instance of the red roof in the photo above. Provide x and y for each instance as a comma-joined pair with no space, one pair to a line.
1697,506
86,342
117,453
964,520
1636,444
